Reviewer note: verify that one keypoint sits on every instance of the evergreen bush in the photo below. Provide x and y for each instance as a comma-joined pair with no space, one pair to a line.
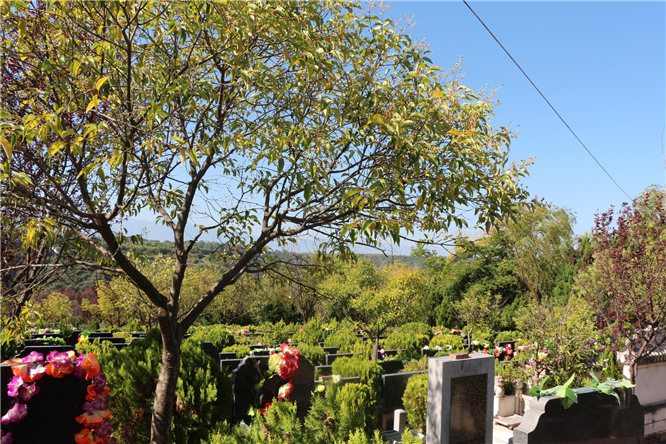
315,354
369,371
448,343
415,401
240,350
409,343
218,334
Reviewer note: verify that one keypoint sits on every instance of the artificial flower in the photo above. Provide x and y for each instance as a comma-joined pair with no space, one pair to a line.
60,363
6,438
31,368
14,385
88,364
92,417
288,363
268,404
27,391
15,414
104,429
285,390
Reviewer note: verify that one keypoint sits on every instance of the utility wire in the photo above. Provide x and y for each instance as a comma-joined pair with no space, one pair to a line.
547,101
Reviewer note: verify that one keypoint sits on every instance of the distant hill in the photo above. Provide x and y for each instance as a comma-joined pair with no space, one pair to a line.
79,279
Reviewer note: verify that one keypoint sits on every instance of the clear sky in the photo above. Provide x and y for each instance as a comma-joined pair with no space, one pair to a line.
601,65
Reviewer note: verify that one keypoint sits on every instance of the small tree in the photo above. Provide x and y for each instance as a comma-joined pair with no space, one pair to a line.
626,280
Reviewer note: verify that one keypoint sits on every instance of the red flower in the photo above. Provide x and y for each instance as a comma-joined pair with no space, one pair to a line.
285,363
268,404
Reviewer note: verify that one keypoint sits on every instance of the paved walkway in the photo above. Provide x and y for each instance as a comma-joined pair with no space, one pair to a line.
501,434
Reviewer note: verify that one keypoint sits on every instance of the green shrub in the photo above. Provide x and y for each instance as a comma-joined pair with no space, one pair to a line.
240,350
369,371
217,334
417,328
508,335
313,333
415,401
278,424
409,343
315,354
415,365
341,411
448,343
203,394
345,340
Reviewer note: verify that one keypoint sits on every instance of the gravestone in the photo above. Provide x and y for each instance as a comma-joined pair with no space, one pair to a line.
230,364
333,356
51,411
595,418
460,399
391,366
393,387
252,370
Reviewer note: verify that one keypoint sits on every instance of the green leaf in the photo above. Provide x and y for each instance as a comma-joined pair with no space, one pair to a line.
307,192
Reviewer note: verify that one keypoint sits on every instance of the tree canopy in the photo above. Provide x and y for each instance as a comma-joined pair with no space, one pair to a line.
256,121
626,279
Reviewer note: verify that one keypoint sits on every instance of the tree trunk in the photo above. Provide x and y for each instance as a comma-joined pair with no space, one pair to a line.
375,347
165,392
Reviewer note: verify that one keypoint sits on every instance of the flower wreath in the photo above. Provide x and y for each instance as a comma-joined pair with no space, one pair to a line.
23,386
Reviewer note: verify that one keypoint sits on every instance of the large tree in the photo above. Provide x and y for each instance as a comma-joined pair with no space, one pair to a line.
255,121
626,279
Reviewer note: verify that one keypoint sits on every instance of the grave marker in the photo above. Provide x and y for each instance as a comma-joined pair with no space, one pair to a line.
460,399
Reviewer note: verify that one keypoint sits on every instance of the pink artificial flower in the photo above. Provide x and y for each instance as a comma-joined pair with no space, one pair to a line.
15,414
31,368
7,438
14,385
60,363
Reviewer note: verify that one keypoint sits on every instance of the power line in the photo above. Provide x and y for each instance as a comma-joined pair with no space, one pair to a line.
547,101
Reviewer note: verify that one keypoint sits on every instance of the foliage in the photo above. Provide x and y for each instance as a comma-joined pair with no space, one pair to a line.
418,328
477,267
217,334
14,329
312,333
56,307
341,410
255,122
479,312
240,350
369,371
415,365
203,394
409,344
315,354
376,299
541,237
415,401
562,339
626,281
344,339
508,335
449,343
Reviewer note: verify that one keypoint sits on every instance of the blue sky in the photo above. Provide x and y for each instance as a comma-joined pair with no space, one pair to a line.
601,65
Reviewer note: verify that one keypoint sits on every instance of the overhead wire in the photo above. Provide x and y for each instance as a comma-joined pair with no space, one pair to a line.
547,101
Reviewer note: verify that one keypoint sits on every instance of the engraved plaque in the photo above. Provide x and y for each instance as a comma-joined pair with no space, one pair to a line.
468,409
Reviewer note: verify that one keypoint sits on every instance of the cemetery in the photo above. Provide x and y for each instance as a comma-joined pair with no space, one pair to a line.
273,390
279,152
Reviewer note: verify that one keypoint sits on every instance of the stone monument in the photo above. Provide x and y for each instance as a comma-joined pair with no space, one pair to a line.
460,399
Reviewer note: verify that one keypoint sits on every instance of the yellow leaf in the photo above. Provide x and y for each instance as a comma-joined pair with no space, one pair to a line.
93,103
7,147
56,147
101,82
